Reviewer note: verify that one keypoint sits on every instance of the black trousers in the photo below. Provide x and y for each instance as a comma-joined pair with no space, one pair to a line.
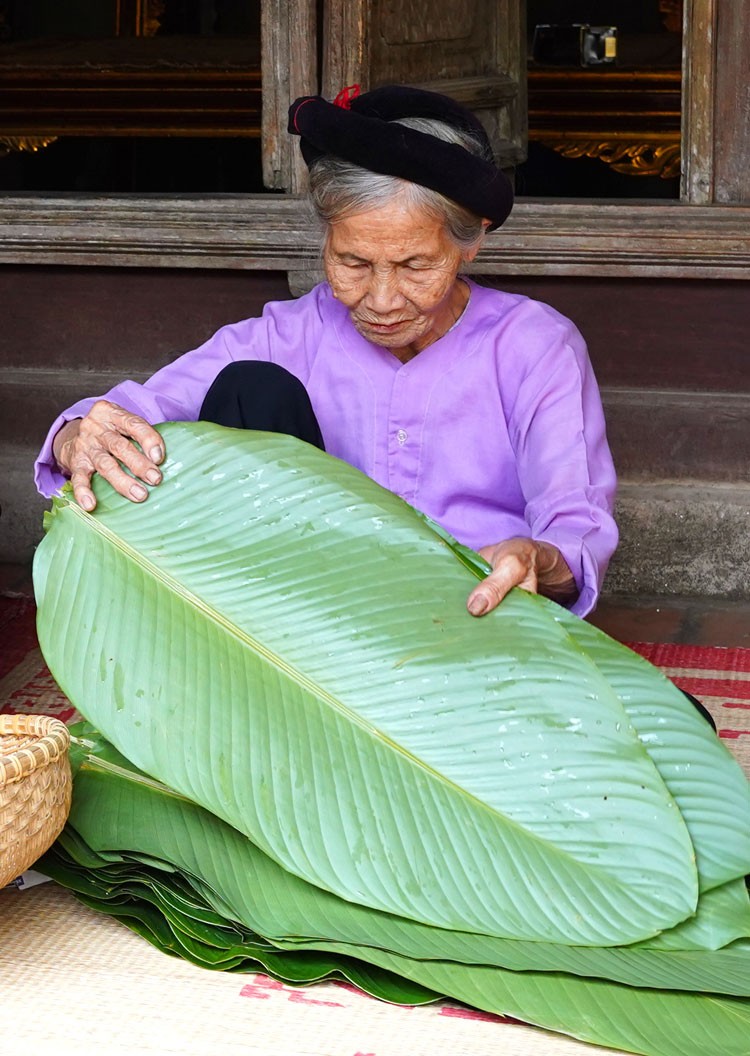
265,396
254,395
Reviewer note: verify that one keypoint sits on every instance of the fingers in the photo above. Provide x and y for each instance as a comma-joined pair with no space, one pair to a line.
110,450
138,429
118,428
536,566
63,442
80,478
104,444
513,565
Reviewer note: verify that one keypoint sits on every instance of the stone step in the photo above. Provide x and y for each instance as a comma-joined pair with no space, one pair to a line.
663,434
687,538
654,434
32,399
21,506
683,504
682,538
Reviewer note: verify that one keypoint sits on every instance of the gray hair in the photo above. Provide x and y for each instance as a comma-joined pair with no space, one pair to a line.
339,188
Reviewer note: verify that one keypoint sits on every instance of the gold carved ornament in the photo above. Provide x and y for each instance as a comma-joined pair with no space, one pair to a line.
632,159
154,10
13,144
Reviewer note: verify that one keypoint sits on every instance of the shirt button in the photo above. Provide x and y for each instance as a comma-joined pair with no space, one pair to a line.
402,436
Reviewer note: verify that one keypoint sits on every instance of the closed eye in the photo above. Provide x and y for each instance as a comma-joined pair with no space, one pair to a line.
417,264
352,262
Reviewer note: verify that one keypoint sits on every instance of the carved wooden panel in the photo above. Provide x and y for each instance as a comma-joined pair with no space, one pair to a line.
473,51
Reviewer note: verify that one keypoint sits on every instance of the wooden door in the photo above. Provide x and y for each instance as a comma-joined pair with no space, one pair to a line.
473,51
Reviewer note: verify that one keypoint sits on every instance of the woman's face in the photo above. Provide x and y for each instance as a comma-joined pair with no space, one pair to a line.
395,269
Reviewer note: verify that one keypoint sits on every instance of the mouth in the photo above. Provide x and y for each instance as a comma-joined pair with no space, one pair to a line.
384,328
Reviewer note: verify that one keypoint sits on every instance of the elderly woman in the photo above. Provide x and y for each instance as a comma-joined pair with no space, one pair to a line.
478,407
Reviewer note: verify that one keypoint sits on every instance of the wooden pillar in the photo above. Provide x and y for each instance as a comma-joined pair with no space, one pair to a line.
716,102
289,69
732,112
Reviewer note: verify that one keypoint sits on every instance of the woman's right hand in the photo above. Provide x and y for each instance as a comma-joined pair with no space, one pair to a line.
104,442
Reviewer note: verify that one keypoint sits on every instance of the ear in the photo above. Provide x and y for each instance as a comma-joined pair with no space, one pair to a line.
469,254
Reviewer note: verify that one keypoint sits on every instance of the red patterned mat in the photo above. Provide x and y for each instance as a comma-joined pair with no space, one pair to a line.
26,686
719,677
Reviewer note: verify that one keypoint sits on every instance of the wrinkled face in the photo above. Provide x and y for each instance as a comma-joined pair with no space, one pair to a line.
395,269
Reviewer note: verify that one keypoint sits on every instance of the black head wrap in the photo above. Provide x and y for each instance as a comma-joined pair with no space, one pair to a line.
361,129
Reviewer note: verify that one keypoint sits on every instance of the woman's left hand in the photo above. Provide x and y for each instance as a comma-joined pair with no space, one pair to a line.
534,566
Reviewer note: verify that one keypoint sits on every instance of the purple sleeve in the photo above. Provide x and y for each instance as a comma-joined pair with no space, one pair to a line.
176,392
564,461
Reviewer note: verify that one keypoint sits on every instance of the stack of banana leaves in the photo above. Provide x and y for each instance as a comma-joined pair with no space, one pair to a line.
302,754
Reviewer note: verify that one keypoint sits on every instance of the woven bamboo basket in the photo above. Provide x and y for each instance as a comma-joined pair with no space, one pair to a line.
35,789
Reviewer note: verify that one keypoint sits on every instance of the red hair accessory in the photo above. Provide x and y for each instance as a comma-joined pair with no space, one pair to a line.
345,96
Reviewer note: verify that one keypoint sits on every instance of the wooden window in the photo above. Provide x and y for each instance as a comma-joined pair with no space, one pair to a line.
604,88
704,234
131,96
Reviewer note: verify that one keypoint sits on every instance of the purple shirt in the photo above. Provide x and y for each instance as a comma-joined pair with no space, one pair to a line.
494,430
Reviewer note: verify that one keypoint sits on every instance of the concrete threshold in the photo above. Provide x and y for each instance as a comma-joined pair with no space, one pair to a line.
688,539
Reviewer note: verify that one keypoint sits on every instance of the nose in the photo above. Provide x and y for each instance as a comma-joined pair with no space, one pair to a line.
383,293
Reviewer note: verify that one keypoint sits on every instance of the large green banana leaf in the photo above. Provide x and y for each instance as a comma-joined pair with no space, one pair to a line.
284,642
651,1022
689,754
161,912
116,815
115,809
686,751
